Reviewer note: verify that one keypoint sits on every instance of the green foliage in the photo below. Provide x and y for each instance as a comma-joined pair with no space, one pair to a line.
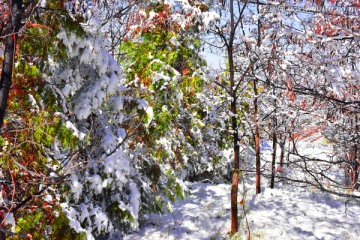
29,222
32,127
155,56
160,69
122,215
173,189
61,229
42,226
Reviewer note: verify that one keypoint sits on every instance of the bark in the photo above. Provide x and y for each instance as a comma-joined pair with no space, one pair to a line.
273,160
288,153
356,167
236,164
281,160
234,206
9,56
235,177
257,142
355,160
274,148
2,234
256,128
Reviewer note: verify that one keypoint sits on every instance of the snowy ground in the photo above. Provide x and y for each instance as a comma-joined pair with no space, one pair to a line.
287,212
303,214
203,215
284,213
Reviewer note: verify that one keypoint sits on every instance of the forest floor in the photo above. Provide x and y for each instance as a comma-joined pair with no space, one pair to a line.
287,212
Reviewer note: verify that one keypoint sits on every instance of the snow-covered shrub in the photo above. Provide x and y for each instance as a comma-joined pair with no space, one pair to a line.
104,184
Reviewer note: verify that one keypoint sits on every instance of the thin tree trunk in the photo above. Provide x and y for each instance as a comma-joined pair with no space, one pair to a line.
282,150
273,159
288,153
274,148
257,142
256,128
356,166
236,164
235,181
9,56
2,234
356,163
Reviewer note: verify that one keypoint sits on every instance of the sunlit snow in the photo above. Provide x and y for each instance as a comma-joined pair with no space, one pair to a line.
286,212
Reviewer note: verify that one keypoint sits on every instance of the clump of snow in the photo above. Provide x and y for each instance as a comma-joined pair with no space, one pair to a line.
75,131
109,142
150,115
101,220
72,214
95,75
134,199
75,187
94,215
10,220
117,166
96,183
208,18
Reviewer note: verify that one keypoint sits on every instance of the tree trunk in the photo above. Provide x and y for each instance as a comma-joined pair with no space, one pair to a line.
236,163
235,176
235,135
234,191
356,166
9,56
274,147
236,166
355,158
273,159
8,64
257,142
282,150
256,128
2,234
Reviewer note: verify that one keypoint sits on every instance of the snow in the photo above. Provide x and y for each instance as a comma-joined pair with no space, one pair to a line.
75,187
118,167
96,76
203,214
150,115
109,142
71,214
101,220
303,214
10,220
134,199
209,17
286,212
96,183
75,131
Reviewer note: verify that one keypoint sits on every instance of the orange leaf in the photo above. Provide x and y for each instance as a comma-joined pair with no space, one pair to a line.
37,25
